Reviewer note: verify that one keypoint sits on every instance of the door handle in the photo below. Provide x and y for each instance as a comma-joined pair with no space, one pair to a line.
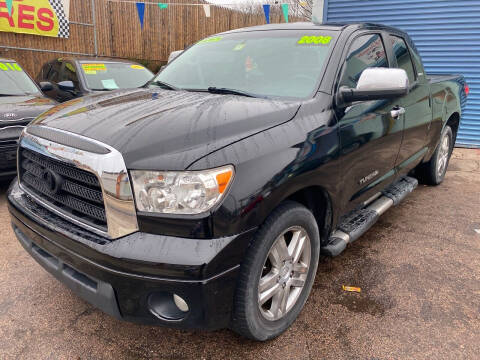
396,112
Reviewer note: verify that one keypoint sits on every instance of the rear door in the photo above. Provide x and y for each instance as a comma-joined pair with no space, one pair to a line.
370,137
418,113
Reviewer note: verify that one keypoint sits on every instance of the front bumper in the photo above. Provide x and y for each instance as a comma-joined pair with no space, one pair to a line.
134,278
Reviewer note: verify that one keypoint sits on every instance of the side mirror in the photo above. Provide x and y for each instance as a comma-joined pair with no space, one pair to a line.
46,86
66,85
376,84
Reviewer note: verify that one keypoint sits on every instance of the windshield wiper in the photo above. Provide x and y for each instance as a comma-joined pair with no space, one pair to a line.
103,89
215,90
162,84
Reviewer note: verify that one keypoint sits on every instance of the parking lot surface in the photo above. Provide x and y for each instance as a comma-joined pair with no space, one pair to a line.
418,269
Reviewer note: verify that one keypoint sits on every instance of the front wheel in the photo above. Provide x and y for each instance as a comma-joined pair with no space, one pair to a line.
277,274
433,172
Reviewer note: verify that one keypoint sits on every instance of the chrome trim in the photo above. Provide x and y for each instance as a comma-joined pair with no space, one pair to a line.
60,213
6,128
111,172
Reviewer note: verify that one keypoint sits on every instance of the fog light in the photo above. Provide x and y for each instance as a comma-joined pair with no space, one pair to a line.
168,306
181,304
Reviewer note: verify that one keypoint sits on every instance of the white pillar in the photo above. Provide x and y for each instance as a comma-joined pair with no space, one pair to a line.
317,11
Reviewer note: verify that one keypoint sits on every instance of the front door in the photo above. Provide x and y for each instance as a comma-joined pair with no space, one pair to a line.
370,137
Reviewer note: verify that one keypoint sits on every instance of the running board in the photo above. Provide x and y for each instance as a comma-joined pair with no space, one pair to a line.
358,222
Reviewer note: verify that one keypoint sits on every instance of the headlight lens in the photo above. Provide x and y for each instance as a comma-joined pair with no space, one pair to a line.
180,192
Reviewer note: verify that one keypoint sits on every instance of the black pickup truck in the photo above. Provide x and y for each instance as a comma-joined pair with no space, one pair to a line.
204,199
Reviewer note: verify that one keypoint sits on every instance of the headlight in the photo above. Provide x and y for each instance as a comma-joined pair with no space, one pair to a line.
180,192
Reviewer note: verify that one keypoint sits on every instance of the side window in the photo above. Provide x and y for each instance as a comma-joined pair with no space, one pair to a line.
404,61
366,51
54,72
69,73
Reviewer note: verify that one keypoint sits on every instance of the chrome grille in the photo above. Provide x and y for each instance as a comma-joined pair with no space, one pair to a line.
75,192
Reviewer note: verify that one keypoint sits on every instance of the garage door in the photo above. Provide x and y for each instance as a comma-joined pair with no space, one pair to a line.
447,34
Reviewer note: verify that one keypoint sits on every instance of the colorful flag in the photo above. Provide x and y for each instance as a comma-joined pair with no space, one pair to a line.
206,8
266,10
9,7
162,5
141,12
285,11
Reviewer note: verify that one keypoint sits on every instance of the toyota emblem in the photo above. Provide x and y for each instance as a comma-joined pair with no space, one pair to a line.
52,180
9,116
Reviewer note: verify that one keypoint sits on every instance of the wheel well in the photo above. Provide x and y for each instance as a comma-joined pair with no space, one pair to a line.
316,199
454,122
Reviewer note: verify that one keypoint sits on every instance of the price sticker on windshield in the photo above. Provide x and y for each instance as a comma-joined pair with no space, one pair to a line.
94,67
10,67
210,40
314,40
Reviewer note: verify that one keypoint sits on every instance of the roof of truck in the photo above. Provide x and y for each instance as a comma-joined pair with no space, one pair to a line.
310,26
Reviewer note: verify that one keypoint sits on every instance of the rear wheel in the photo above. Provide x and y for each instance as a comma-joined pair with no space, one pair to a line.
277,274
433,172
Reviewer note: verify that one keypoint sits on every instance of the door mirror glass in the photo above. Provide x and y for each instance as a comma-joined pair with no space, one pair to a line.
66,85
377,84
46,86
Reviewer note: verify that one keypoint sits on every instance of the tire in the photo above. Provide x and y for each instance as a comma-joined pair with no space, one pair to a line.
263,264
433,172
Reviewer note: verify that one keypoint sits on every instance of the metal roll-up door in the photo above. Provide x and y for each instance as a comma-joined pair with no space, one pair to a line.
447,34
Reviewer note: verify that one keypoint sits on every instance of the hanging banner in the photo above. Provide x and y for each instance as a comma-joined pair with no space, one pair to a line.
36,17
266,10
285,11
162,5
141,12
206,8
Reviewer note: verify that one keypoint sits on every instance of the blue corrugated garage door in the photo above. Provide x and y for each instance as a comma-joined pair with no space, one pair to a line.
447,34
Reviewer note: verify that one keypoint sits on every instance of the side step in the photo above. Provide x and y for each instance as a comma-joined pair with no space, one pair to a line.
358,222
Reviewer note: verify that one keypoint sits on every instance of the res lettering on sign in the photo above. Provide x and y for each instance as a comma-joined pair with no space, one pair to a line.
314,40
28,17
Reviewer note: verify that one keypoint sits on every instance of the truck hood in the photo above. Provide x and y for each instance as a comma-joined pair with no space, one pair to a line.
19,107
163,129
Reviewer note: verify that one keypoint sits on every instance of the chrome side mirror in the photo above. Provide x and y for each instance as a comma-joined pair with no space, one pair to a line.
377,84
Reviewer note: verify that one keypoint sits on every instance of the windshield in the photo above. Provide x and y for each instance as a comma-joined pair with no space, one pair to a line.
111,76
281,63
14,81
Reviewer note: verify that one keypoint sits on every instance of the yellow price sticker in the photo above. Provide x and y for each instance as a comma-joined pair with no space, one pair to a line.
10,67
139,67
211,39
314,40
94,67
90,72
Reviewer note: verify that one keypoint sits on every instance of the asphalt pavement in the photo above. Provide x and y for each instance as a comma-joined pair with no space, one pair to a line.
418,269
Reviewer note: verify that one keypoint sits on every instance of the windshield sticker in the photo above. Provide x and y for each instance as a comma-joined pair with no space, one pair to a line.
239,47
209,40
138,67
109,84
314,40
10,67
94,67
90,72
